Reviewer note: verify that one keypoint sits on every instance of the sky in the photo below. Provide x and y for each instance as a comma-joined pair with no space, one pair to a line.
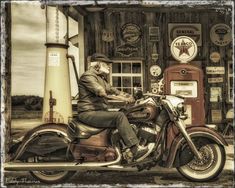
29,50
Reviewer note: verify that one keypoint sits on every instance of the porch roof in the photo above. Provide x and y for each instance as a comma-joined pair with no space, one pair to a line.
85,7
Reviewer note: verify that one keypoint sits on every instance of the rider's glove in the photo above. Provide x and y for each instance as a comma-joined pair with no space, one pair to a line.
130,99
125,94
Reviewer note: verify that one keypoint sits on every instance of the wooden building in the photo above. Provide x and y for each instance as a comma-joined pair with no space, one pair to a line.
138,35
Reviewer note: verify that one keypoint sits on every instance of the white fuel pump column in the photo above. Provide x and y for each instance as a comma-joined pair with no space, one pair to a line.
57,105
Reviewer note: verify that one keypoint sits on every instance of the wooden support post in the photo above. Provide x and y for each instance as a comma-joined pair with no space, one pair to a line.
5,81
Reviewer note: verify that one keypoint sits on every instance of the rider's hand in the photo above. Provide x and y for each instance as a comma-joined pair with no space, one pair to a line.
125,94
127,97
130,99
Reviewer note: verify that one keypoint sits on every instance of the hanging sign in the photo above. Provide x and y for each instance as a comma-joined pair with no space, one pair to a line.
216,80
155,70
153,34
215,57
216,116
184,49
107,36
54,59
221,34
182,29
215,70
154,54
215,94
130,33
127,49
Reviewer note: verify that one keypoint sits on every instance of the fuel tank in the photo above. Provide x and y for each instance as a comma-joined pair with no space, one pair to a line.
142,113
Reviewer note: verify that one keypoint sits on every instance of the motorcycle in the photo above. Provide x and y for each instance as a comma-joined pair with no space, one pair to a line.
53,152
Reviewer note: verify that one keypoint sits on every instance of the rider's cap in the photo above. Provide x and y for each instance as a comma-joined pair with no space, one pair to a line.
100,57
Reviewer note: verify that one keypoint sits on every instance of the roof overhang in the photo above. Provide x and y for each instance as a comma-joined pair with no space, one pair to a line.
98,5
83,8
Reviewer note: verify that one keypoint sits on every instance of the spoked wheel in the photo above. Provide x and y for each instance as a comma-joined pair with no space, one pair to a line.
50,177
209,167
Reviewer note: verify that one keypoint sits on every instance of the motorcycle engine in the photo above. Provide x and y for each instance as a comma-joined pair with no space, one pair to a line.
147,134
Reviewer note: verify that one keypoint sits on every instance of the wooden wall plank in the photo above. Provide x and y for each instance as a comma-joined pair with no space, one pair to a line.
114,19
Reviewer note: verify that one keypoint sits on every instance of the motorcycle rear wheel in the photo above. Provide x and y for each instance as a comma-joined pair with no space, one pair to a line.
209,167
50,177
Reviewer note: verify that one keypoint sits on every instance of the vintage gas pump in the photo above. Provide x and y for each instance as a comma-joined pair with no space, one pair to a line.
57,106
186,80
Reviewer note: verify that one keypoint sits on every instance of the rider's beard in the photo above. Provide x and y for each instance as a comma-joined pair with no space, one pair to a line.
104,70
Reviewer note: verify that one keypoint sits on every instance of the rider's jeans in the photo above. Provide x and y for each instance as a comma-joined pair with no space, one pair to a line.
106,119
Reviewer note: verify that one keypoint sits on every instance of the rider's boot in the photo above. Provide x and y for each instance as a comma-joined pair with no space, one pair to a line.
138,151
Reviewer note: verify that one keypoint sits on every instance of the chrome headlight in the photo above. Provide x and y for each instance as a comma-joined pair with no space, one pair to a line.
181,108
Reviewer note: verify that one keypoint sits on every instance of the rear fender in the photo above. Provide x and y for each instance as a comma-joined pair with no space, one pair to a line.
203,132
44,138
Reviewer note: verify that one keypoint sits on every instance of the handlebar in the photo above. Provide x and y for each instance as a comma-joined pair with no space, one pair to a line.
152,95
161,96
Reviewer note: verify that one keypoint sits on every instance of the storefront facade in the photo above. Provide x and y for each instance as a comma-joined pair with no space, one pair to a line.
138,39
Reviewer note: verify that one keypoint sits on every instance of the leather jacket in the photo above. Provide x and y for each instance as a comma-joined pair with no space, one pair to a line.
92,90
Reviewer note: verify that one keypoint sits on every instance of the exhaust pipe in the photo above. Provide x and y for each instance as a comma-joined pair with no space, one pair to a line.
29,166
62,166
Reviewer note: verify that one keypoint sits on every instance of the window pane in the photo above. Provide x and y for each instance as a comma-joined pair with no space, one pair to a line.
116,81
136,81
127,90
136,68
126,81
116,68
126,68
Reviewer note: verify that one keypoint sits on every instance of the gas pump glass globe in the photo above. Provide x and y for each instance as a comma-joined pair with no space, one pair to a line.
56,25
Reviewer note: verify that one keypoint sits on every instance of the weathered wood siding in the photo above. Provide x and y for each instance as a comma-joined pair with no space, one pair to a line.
113,19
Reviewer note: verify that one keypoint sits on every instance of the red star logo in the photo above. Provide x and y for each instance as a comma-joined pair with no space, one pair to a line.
183,48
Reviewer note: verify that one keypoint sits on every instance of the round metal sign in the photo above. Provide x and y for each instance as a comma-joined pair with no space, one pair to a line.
215,57
130,33
184,49
155,70
221,34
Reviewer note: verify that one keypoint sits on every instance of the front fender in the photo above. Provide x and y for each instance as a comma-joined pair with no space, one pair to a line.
203,132
43,139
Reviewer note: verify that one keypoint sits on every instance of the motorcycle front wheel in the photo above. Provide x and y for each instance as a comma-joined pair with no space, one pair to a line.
209,167
50,177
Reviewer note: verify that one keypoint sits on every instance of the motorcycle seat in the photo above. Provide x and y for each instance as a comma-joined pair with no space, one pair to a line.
77,129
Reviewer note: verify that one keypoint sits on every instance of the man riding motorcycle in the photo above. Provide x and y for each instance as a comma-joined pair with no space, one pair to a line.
92,104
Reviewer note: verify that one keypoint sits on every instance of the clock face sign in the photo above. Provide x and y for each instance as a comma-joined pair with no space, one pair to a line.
155,70
184,49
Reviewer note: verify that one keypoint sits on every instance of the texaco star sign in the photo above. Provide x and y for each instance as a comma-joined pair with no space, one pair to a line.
183,49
